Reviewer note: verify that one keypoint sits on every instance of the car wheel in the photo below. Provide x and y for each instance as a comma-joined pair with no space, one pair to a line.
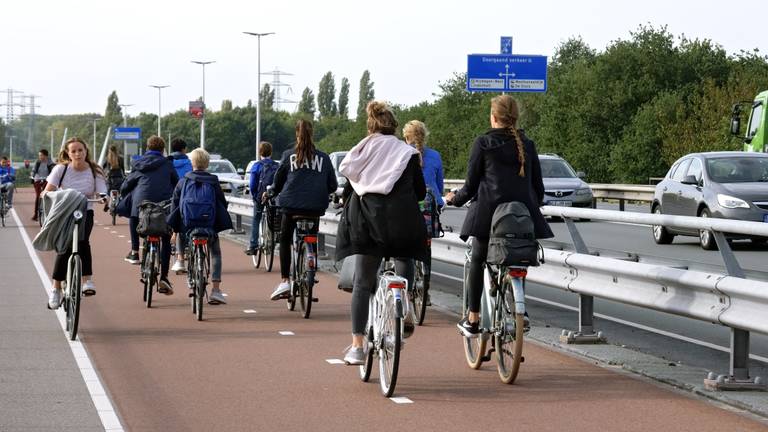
706,238
759,241
660,234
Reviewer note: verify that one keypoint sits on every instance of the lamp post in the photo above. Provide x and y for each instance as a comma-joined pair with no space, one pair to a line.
202,119
258,87
11,151
125,113
159,105
95,145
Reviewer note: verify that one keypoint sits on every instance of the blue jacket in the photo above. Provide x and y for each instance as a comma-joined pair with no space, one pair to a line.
433,173
153,179
304,189
7,175
223,220
181,163
255,172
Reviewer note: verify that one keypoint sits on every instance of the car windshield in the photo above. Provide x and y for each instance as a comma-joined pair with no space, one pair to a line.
221,167
738,169
553,168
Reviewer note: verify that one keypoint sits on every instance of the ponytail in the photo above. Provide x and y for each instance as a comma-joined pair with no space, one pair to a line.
305,147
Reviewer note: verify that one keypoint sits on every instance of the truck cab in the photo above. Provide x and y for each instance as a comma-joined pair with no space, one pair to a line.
755,136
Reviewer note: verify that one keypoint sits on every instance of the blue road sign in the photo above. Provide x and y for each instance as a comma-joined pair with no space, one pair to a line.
506,73
506,45
127,133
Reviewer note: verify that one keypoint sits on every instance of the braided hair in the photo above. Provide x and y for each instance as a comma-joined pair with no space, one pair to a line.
504,109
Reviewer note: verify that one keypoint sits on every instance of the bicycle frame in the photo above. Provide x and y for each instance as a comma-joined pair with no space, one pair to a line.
398,286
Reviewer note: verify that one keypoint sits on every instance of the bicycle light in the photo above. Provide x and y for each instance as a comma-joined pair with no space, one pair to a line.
77,214
310,239
396,285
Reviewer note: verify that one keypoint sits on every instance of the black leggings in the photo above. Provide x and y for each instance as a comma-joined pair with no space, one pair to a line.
84,250
287,227
475,288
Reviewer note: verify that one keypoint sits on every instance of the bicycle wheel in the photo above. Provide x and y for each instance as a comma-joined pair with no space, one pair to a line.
3,210
508,339
474,348
304,285
419,293
365,369
200,282
150,281
390,342
114,217
40,212
269,252
74,288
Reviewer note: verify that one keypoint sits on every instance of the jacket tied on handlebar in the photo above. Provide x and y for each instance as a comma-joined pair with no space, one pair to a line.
56,232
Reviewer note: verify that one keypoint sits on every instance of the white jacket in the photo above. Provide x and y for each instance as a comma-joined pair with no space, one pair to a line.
376,163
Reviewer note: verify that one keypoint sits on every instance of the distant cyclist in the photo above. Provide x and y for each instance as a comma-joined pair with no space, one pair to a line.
262,175
381,216
7,179
113,168
153,179
503,167
40,171
415,133
183,165
304,181
214,197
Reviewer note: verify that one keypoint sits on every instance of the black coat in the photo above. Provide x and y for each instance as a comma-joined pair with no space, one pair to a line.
223,220
385,225
153,179
492,179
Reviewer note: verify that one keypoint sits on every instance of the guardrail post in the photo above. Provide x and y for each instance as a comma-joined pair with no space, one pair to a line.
738,378
238,225
321,252
586,333
621,204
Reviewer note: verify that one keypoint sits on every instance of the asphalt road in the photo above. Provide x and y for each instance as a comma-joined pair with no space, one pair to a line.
239,370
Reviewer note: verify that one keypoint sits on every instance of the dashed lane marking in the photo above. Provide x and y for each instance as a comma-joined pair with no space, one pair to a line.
113,232
286,333
335,361
401,400
121,236
249,311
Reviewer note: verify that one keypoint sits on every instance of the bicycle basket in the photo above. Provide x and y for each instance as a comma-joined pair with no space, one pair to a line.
274,218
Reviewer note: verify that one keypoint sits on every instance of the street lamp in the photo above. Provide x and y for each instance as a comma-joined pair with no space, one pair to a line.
258,87
159,105
125,113
11,152
202,120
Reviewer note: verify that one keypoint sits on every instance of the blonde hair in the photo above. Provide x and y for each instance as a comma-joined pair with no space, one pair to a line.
504,109
416,133
64,155
199,158
381,118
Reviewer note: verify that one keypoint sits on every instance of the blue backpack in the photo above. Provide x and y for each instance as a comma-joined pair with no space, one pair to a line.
266,177
198,204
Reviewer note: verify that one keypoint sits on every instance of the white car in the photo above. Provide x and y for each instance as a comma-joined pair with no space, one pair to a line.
336,158
223,169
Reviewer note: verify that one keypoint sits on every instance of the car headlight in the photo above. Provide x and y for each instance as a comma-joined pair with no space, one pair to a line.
585,191
730,202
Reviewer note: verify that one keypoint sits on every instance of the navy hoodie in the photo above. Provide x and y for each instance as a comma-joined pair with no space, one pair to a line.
223,220
152,179
304,189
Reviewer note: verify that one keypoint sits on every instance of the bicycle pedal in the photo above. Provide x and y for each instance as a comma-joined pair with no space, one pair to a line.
522,359
315,300
486,357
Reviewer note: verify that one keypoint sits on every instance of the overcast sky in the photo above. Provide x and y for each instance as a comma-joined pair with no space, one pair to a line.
74,53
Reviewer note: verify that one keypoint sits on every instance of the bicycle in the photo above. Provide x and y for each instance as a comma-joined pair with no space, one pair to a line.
384,335
269,234
3,206
304,263
502,316
419,294
150,262
198,269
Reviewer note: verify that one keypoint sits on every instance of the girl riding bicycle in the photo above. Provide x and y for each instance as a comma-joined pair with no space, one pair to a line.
381,216
503,167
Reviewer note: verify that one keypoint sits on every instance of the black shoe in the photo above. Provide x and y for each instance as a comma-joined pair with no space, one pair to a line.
133,258
526,323
250,251
468,329
165,287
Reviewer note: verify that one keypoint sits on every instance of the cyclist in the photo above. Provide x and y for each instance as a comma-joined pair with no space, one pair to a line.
303,181
40,171
381,216
152,179
262,175
182,165
503,167
7,179
113,167
222,221
76,171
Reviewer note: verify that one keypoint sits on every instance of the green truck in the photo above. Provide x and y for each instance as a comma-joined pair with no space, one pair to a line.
755,137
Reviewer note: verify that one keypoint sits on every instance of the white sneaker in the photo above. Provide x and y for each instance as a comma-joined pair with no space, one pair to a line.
89,288
281,291
179,267
55,298
355,356
217,297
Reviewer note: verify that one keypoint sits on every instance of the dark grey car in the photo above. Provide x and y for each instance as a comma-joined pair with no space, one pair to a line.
728,185
562,186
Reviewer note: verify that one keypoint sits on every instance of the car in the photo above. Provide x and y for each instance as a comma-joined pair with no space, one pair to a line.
727,185
223,169
562,185
336,158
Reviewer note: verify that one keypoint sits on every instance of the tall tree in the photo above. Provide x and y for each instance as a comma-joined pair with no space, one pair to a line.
344,99
366,94
326,95
267,97
226,105
307,103
113,115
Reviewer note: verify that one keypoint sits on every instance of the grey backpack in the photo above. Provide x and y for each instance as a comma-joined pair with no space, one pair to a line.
513,236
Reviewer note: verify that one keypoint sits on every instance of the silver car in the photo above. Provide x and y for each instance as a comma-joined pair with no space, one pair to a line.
563,186
727,185
223,169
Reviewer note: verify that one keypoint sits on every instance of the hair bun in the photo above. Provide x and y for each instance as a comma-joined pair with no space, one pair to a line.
376,108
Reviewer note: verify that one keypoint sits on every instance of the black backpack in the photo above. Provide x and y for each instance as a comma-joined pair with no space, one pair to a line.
513,236
431,212
152,220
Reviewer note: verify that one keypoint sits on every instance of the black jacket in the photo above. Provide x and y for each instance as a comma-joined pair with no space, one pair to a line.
223,220
385,225
153,179
492,179
304,190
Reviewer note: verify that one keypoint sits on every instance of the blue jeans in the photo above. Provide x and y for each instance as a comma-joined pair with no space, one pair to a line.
258,211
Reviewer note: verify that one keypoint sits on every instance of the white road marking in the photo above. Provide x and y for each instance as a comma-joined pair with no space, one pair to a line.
401,400
104,408
113,232
249,311
121,236
335,361
286,333
443,275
